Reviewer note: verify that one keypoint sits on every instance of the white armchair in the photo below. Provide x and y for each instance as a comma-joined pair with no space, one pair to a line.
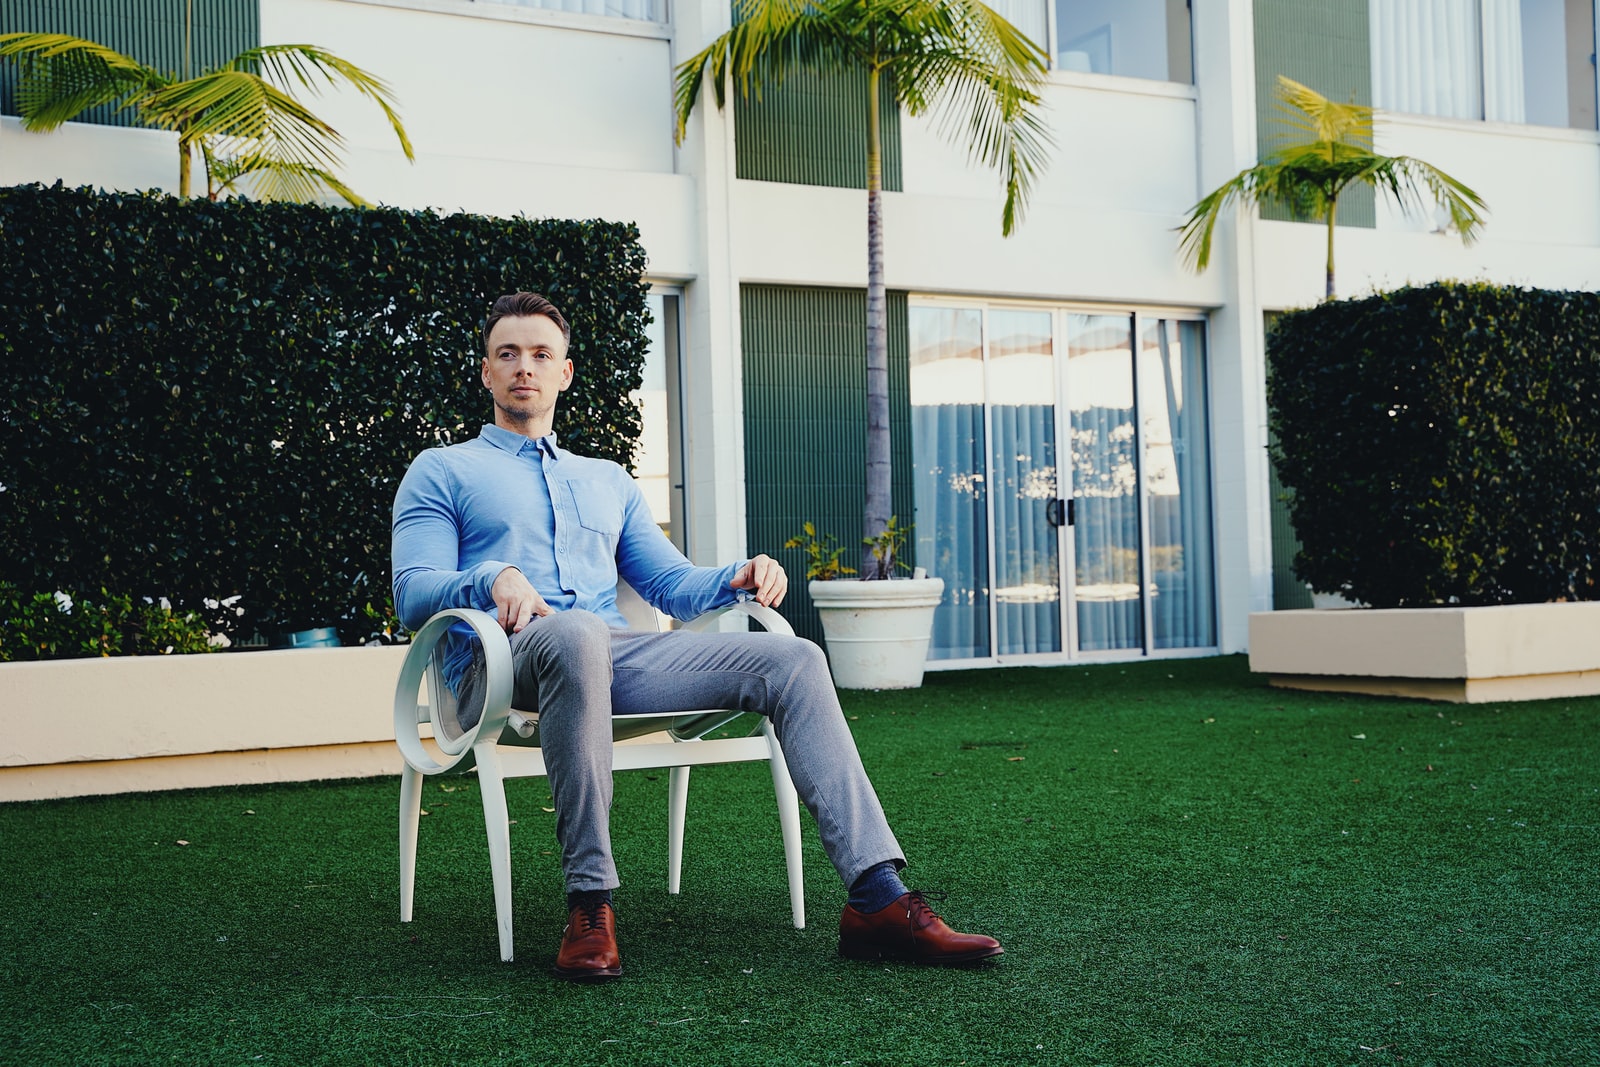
504,744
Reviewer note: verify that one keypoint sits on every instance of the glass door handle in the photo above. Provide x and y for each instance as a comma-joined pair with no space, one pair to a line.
1060,512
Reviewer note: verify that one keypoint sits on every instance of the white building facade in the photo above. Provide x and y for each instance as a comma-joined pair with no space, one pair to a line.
1081,420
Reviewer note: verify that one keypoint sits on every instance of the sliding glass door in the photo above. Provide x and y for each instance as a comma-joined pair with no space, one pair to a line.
1105,483
1062,480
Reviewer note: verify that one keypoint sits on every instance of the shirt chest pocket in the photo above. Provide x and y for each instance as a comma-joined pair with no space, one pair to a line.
596,508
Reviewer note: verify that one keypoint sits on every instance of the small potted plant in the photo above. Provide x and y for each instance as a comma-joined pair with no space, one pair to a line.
877,630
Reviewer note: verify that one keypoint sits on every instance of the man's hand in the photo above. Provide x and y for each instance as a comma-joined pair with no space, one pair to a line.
517,600
763,576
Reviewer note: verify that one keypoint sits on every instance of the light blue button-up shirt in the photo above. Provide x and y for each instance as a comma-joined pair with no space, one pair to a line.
572,525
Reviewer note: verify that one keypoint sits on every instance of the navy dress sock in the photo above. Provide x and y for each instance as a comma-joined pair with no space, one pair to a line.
588,897
877,888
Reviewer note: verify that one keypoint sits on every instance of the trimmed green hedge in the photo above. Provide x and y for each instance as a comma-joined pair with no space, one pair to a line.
1443,444
209,399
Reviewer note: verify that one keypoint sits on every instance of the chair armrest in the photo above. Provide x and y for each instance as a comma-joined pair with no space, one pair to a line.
769,619
419,658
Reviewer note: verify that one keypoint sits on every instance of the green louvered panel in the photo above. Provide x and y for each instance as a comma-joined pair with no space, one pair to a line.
1323,45
812,130
150,31
805,422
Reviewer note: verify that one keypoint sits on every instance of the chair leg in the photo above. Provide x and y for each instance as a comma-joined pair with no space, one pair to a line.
492,786
789,819
677,807
410,815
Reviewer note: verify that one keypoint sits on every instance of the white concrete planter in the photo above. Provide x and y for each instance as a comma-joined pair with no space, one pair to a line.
877,631
1465,655
133,723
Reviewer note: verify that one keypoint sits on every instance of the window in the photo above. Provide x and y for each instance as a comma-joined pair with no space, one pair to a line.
645,10
1132,38
658,459
1523,61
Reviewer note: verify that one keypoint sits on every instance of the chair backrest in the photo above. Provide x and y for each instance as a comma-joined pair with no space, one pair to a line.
638,614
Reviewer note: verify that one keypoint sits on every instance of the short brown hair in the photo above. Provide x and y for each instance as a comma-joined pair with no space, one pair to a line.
524,305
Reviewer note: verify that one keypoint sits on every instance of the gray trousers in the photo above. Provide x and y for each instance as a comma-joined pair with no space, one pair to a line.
577,672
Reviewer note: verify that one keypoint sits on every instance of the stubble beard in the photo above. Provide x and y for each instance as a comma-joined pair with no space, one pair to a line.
523,416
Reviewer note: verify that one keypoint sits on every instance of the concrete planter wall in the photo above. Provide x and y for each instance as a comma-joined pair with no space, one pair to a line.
877,632
135,723
1465,655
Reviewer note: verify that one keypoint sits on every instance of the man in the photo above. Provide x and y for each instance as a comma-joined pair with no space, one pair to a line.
513,524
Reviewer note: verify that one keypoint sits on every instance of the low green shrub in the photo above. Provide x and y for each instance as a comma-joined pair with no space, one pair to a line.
63,625
1441,444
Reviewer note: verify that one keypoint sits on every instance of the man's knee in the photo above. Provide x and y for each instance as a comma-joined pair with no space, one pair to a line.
571,639
795,657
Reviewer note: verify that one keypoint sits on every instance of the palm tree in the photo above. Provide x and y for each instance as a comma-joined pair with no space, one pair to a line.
1310,174
957,58
241,114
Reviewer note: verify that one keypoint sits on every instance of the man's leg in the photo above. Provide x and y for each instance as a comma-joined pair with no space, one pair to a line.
561,667
787,680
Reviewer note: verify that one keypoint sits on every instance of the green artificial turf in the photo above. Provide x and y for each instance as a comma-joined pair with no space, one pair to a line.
1185,866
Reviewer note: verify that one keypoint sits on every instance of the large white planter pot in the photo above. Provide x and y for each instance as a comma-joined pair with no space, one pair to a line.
877,631
1465,655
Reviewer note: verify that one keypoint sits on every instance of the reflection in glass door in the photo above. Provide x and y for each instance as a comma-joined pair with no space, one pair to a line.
1177,478
949,484
1020,391
1105,482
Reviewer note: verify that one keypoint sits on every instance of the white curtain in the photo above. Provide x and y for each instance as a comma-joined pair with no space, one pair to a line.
1503,95
1026,15
1457,59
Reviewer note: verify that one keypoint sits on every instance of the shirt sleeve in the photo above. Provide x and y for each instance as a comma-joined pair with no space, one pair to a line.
658,572
426,547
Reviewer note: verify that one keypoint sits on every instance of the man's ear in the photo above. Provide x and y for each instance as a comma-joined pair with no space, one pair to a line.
483,373
566,379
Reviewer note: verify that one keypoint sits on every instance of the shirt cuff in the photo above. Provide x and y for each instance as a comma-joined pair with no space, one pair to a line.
483,576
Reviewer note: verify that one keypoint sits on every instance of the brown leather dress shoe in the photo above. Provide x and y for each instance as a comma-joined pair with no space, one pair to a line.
909,930
589,945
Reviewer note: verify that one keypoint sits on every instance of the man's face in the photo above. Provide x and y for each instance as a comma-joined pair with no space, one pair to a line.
526,369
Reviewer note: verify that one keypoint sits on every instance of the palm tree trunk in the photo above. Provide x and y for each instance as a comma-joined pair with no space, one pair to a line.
183,167
875,514
1333,207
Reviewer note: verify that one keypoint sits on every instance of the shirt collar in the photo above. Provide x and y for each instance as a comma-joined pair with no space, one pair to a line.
516,443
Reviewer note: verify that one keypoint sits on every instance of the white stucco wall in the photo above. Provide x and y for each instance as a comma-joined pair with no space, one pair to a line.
1098,226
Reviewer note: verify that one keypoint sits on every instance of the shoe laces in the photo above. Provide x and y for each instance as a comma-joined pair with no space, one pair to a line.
589,914
919,910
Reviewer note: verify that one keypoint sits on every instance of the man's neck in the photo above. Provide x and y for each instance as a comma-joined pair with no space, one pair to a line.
533,429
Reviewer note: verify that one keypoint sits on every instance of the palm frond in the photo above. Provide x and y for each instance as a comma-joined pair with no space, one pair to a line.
1321,119
63,76
983,79
1404,179
274,179
769,39
238,106
1250,187
314,69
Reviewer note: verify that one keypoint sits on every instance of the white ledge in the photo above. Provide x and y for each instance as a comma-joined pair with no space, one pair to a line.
1465,655
85,726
